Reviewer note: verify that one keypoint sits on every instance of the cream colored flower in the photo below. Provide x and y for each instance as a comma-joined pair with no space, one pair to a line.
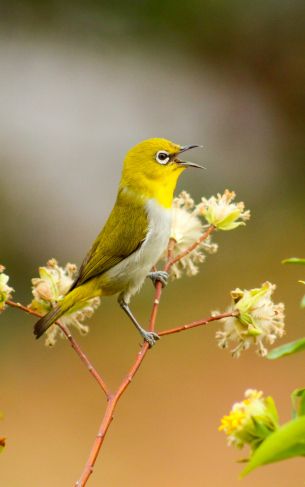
221,212
251,420
186,229
49,289
258,320
5,289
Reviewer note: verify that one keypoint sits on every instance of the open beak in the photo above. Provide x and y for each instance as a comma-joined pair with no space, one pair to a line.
185,148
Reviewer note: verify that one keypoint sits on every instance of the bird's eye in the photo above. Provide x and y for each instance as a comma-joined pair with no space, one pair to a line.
162,157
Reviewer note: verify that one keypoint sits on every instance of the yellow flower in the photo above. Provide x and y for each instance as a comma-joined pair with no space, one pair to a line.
251,420
232,422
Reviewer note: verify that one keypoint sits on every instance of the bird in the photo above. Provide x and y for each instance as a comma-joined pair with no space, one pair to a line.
135,235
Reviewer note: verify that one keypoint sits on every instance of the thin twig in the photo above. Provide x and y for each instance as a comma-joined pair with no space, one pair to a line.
158,289
194,324
73,343
192,247
108,417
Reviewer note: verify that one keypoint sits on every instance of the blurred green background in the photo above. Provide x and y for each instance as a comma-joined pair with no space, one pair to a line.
80,83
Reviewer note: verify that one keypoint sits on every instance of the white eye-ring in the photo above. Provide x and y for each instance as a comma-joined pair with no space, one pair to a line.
162,157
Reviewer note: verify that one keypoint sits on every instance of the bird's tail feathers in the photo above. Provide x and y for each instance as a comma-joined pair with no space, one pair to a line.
46,321
78,294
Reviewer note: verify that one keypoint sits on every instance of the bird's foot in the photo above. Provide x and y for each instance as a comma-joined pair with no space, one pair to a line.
159,276
150,337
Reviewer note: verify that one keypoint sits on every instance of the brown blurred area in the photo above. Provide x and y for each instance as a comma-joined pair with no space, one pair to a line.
80,84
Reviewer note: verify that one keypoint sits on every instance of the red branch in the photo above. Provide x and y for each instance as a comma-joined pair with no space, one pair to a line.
108,416
113,398
194,324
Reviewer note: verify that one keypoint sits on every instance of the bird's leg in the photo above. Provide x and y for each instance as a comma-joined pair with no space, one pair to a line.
149,336
157,276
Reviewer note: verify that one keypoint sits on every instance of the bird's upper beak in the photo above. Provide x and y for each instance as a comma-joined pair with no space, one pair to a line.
185,148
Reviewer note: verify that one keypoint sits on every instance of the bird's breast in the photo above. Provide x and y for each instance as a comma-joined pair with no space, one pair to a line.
155,243
159,227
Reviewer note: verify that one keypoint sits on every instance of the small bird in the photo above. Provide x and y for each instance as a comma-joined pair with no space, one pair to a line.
135,235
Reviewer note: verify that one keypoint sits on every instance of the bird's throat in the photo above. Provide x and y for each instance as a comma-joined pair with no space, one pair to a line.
159,189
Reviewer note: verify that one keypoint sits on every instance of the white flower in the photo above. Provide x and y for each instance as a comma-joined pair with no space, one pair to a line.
49,289
258,320
251,420
5,289
221,212
186,229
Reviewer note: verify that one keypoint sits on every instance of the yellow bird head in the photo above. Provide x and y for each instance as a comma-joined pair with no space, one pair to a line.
152,167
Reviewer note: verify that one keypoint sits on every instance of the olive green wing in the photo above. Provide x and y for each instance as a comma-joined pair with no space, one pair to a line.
123,233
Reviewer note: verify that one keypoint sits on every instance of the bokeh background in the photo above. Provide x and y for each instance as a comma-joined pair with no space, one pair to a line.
80,83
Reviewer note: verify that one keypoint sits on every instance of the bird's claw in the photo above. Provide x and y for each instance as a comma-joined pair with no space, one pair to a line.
151,337
159,276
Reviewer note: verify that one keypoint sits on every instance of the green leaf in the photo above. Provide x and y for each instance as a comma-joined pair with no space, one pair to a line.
286,442
272,410
287,349
303,302
294,260
229,226
229,222
298,402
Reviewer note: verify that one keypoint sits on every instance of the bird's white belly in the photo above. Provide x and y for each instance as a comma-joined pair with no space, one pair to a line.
130,274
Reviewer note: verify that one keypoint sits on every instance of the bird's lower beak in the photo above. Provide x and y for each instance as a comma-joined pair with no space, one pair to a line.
190,164
185,148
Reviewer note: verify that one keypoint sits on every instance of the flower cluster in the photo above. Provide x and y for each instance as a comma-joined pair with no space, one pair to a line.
5,289
256,320
222,213
251,420
49,289
188,227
